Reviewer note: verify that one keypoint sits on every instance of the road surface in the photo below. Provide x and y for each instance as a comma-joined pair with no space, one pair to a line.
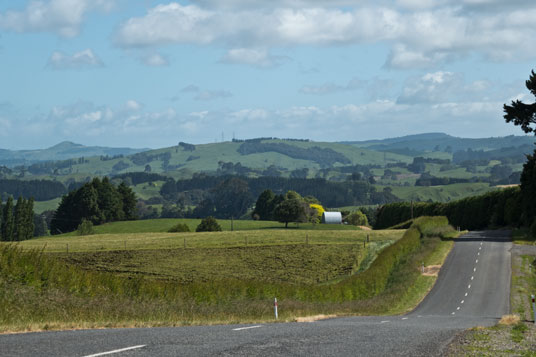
472,289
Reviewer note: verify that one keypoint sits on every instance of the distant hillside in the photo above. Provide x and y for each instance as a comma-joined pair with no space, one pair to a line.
415,144
391,160
62,151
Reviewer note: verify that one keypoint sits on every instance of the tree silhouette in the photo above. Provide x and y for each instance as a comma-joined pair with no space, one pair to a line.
523,114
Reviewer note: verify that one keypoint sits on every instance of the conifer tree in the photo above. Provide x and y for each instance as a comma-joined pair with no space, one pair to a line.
8,223
19,233
29,219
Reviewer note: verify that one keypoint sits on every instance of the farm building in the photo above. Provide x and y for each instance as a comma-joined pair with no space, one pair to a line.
332,218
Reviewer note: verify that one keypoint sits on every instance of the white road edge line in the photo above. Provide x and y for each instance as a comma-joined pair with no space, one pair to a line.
245,328
404,318
116,351
384,322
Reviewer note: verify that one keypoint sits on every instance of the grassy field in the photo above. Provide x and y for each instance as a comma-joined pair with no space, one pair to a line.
216,279
140,241
41,206
164,224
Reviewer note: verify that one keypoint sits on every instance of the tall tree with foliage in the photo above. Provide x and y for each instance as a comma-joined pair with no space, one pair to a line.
232,198
524,115
291,210
264,207
8,221
128,198
19,218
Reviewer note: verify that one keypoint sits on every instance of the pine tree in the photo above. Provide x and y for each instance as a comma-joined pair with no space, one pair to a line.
29,219
129,201
8,223
19,218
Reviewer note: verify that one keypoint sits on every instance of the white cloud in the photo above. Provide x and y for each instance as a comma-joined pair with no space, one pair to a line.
79,60
253,57
63,17
155,60
420,33
132,105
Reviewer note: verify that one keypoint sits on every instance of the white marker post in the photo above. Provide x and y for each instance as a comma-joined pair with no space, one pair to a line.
275,308
534,308
422,267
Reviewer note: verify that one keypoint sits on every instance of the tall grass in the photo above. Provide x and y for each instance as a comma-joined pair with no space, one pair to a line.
38,291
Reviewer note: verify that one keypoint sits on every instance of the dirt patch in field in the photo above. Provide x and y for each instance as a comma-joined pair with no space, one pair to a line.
431,270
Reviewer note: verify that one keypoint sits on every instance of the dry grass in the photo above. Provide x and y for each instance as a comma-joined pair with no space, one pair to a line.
431,270
509,320
314,318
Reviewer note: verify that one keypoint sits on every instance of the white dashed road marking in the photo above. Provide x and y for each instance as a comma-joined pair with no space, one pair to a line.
384,322
116,351
246,328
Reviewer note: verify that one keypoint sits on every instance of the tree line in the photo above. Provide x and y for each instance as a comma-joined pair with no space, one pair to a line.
40,190
98,201
16,220
332,194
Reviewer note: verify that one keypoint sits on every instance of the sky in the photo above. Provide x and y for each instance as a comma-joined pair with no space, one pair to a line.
142,73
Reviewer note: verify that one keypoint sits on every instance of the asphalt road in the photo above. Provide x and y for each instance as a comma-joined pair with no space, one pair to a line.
472,289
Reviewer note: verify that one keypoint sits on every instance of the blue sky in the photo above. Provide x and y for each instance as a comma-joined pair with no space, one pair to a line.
144,73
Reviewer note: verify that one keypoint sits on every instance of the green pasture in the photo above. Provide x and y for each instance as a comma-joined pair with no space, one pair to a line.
164,224
141,241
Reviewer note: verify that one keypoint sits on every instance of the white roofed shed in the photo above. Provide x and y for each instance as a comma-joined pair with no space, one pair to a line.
332,217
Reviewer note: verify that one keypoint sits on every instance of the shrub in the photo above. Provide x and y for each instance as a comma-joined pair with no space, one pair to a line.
357,218
208,224
85,228
180,227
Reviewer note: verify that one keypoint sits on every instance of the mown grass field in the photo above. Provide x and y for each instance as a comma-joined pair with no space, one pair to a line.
141,241
164,224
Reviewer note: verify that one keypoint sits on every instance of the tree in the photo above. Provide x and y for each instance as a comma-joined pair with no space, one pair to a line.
290,210
523,114
19,233
357,218
129,201
264,207
208,224
85,228
8,222
232,198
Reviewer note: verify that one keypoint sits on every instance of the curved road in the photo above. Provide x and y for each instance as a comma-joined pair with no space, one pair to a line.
472,289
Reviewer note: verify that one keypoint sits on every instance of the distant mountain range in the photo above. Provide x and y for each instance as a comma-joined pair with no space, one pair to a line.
62,151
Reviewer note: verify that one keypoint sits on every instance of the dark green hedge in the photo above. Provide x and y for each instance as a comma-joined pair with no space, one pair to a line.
493,209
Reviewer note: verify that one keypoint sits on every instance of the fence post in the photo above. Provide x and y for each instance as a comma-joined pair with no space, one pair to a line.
184,243
306,238
533,308
275,308
422,267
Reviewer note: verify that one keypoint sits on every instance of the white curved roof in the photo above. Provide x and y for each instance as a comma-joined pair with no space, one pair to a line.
332,217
